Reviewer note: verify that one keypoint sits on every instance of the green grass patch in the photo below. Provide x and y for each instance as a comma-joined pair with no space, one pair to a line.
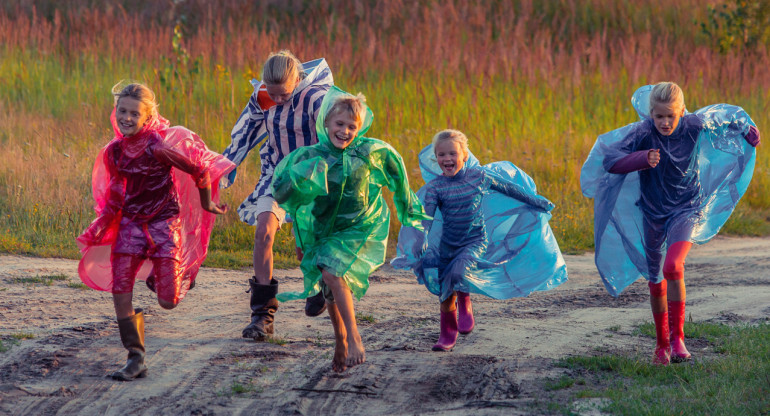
360,318
276,340
23,335
6,344
732,382
78,285
46,280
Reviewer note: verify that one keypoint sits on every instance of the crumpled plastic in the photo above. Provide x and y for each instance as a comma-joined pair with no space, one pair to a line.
335,197
723,170
517,255
110,192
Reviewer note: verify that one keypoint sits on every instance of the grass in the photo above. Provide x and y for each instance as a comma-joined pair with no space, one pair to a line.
529,82
360,318
46,280
733,381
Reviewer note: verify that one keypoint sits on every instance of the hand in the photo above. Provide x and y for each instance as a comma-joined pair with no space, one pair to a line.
653,157
752,137
299,253
216,209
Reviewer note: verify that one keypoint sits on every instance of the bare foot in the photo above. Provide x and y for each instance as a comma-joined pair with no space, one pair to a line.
340,356
356,352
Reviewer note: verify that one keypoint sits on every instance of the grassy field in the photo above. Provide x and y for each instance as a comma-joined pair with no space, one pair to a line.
529,82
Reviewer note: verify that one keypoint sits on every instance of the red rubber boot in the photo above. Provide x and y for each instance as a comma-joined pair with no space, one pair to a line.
448,336
465,321
662,354
679,352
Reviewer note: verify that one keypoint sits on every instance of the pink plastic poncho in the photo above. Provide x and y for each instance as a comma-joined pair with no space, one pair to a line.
203,167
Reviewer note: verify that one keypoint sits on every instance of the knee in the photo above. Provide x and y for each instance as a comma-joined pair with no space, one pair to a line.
658,289
331,280
673,270
264,237
165,304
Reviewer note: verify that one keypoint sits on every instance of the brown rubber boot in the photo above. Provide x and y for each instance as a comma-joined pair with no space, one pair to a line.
263,307
132,336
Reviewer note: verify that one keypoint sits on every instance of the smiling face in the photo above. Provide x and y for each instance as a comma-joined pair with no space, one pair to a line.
666,117
281,93
450,156
130,115
342,128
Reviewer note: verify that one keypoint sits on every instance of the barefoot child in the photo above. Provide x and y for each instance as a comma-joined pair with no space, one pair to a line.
333,190
283,109
476,203
660,185
146,210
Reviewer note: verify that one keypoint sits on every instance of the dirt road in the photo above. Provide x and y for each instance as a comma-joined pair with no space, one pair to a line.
199,364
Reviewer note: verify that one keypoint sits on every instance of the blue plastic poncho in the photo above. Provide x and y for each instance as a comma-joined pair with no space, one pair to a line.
490,233
705,168
341,220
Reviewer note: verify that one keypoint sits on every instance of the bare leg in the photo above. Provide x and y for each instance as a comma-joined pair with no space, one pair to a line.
449,304
343,299
264,236
676,290
340,338
124,307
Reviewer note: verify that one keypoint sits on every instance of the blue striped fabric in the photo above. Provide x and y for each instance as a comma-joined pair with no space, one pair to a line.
280,128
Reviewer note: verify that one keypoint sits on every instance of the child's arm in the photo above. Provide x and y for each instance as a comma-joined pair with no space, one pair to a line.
639,160
723,122
247,133
506,187
409,210
198,169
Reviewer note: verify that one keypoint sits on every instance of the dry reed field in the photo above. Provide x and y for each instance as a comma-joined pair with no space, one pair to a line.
530,82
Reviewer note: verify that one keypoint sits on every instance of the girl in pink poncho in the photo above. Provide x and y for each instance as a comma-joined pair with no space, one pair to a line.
144,184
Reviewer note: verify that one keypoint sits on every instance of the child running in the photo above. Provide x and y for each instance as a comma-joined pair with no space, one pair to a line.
660,185
147,210
476,202
283,109
333,190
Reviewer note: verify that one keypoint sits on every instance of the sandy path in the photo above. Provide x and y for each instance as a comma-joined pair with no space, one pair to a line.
197,359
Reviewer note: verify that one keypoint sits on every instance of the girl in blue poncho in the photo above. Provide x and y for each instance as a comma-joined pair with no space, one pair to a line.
692,169
333,190
491,237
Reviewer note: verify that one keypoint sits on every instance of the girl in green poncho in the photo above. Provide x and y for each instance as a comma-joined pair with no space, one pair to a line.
333,190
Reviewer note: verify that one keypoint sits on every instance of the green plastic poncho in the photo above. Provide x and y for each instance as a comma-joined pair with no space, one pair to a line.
341,221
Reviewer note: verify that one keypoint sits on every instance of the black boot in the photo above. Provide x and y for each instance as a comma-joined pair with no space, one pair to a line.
263,307
315,305
132,336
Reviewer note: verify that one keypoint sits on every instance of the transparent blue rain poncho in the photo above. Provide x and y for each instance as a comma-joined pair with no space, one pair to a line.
719,166
341,220
517,255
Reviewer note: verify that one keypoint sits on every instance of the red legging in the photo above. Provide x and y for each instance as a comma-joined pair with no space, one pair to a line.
673,267
168,276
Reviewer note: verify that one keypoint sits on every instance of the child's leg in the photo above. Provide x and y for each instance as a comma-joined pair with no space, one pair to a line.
465,321
654,235
673,270
168,281
343,299
340,338
263,287
130,320
448,335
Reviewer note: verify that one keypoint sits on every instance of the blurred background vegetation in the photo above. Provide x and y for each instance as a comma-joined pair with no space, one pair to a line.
532,82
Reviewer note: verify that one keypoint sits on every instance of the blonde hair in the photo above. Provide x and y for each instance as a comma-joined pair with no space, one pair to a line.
667,93
281,67
454,136
139,92
352,104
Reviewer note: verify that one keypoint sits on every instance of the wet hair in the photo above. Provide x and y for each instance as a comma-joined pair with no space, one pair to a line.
667,93
281,67
352,104
139,92
452,136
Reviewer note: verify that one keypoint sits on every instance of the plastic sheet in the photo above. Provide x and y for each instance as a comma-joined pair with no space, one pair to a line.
146,190
280,129
706,166
499,245
335,196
